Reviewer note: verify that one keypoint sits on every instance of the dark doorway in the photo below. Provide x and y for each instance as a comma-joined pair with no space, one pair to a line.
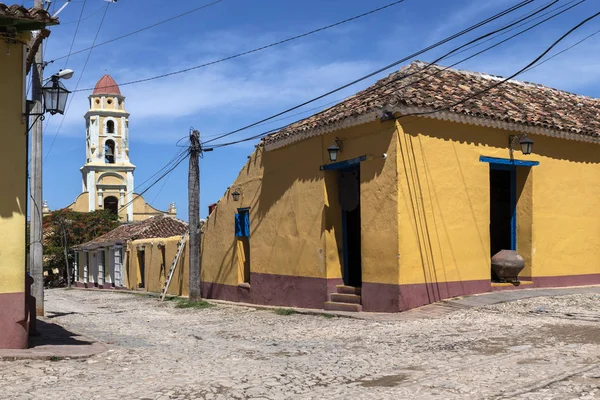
111,204
142,264
349,197
502,209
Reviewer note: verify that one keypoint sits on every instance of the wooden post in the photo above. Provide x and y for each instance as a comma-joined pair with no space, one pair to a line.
36,249
65,244
194,216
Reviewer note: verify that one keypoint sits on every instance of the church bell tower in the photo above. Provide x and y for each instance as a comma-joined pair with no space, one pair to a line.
108,174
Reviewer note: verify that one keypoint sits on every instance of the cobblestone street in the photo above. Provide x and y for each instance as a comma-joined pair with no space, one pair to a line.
540,348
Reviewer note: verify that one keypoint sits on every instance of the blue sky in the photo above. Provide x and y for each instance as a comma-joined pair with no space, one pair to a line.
231,94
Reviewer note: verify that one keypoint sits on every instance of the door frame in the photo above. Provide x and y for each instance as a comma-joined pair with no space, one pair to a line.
339,166
505,164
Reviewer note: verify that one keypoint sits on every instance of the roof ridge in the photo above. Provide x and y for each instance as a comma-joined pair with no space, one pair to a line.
486,75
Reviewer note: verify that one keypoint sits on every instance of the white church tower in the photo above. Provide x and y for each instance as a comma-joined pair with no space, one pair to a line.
108,173
107,176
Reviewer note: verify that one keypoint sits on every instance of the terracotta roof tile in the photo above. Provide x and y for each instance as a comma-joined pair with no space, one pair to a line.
159,226
517,102
107,85
18,12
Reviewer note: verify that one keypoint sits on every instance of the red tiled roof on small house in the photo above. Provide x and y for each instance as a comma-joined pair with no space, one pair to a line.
160,226
421,87
107,85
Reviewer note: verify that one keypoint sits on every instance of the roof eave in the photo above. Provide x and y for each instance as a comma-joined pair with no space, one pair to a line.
428,113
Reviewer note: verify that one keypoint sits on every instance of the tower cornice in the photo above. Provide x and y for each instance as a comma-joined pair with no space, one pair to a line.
106,113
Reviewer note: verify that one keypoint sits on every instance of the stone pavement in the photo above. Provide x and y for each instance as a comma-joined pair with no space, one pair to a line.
530,349
53,343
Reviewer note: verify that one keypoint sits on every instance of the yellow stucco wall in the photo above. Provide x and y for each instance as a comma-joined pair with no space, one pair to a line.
444,205
425,209
157,265
295,218
13,164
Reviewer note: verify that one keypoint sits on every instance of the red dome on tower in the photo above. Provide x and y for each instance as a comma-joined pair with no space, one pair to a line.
107,85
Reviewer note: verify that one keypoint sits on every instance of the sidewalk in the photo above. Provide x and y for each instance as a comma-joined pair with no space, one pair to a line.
438,309
54,343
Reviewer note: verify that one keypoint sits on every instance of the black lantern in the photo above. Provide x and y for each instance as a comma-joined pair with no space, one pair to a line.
235,195
526,145
333,150
55,96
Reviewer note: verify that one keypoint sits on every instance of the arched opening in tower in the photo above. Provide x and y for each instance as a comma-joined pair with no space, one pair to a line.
109,152
110,126
111,204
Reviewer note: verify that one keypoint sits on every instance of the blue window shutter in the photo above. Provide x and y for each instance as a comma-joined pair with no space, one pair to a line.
246,223
238,226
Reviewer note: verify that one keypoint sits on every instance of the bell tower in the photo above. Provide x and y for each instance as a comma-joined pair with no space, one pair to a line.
107,175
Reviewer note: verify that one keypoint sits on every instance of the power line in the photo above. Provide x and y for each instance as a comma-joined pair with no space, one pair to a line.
453,55
90,15
75,34
78,82
395,63
258,48
563,51
181,159
439,70
139,30
522,70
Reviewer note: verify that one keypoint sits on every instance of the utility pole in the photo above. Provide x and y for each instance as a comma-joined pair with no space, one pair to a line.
194,215
62,223
36,249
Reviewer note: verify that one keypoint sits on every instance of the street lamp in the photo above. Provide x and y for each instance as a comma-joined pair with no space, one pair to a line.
55,95
520,140
235,195
334,149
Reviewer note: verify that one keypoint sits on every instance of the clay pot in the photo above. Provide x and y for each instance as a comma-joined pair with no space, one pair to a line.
507,265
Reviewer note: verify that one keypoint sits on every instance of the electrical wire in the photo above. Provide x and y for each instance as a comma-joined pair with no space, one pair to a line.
451,56
181,159
280,42
395,63
77,84
439,70
90,15
563,51
75,34
167,165
137,31
522,70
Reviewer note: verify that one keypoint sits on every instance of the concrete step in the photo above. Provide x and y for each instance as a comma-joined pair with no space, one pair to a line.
347,289
344,298
335,306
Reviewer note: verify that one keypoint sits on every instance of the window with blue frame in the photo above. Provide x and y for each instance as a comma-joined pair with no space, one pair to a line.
242,222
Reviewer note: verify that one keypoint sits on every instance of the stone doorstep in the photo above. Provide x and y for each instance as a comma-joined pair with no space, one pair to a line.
336,306
347,289
54,343
344,298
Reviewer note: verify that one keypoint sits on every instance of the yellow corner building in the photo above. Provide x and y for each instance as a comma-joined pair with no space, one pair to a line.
400,195
16,24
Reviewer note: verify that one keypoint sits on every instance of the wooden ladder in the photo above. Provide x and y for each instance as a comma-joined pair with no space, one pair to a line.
180,247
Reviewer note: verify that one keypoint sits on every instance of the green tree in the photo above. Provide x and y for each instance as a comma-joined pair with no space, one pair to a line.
73,228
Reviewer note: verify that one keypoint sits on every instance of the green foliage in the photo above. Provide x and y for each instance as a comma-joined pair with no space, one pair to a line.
284,311
193,304
79,228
